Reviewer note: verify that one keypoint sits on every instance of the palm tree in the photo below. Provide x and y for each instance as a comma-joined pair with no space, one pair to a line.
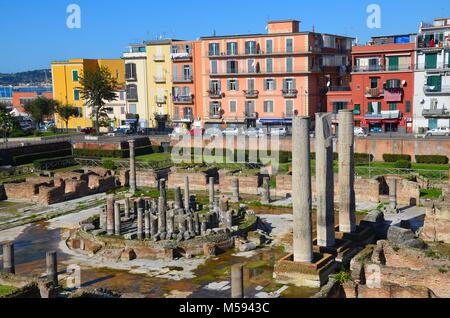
97,88
65,112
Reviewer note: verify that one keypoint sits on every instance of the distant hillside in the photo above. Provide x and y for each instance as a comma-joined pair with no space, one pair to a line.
30,77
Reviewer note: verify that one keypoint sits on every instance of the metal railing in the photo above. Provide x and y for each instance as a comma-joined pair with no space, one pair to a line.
445,89
438,112
125,164
368,172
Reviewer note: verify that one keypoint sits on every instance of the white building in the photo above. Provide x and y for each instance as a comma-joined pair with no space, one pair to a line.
432,76
136,78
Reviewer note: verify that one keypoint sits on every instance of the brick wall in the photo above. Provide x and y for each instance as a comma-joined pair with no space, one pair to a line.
247,184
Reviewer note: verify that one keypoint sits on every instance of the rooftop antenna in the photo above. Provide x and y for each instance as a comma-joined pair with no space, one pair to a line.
214,32
267,22
314,28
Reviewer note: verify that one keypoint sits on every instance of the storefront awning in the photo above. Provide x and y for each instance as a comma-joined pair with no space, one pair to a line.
275,121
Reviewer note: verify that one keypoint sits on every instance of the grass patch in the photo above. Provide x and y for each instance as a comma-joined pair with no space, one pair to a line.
430,193
7,290
154,157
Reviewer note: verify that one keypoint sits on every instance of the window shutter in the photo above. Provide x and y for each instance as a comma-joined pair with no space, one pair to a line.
237,85
228,85
284,85
294,83
370,108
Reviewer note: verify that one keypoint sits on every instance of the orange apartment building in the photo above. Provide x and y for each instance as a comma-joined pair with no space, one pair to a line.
20,98
265,79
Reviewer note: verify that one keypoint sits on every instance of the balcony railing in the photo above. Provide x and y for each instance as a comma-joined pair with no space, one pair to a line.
181,56
159,58
160,99
251,93
250,114
215,93
183,79
261,53
434,90
262,72
383,68
215,115
290,93
436,113
183,99
160,79
373,92
184,118
431,68
385,114
339,89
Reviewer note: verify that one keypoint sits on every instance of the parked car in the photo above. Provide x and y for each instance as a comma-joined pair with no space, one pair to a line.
231,132
278,132
88,131
438,132
255,132
360,132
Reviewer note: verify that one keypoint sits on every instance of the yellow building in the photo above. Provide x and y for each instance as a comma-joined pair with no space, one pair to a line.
159,70
65,75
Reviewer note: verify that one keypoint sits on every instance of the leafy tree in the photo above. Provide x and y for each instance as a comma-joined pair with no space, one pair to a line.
6,121
40,108
97,88
65,112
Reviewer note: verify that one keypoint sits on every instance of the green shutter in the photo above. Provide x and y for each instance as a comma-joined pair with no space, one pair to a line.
357,109
370,108
393,63
408,106
436,82
430,61
392,106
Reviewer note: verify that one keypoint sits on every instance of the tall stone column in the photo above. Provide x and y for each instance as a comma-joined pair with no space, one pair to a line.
178,198
324,181
301,190
266,191
235,188
393,193
237,281
52,267
162,189
187,195
117,220
170,221
8,258
147,225
211,192
127,207
153,225
162,222
347,217
110,214
197,223
133,187
140,220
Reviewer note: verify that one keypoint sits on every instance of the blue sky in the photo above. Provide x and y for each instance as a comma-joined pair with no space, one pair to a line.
34,32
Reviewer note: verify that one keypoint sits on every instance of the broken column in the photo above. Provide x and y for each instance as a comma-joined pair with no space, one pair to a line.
301,190
170,224
127,208
235,189
162,189
153,225
140,219
187,195
266,191
197,223
8,258
237,281
211,191
52,267
347,217
133,187
117,221
162,222
223,209
178,198
110,214
324,181
393,194
103,218
147,225
229,219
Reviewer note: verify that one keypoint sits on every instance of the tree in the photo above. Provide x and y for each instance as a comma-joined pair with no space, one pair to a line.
97,88
65,112
6,121
40,108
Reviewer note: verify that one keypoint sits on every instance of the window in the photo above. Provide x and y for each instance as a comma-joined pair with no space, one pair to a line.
122,95
374,108
186,91
289,45
269,65
232,48
269,46
250,47
214,68
392,106
250,107
233,106
393,63
268,106
76,94
289,64
357,109
289,84
132,108
187,72
75,75
232,67
337,106
408,106
431,61
374,82
393,83
215,108
434,83
130,72
174,49
289,108
187,49
270,84
233,85
214,87
132,93
251,65
214,49
250,84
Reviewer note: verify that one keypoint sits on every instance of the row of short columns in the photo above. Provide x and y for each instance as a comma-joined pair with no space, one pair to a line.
10,268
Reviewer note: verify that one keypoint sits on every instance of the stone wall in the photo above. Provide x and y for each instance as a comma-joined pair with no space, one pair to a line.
437,223
51,195
198,181
2,193
148,179
21,190
247,184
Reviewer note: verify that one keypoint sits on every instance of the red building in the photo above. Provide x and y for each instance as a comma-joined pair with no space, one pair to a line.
21,97
381,89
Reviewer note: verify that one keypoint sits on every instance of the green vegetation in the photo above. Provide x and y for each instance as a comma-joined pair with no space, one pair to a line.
40,108
430,193
432,159
154,157
30,158
403,164
392,158
7,290
54,163
30,77
342,277
109,164
66,112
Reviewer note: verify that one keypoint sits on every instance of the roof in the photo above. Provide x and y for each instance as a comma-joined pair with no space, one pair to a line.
270,35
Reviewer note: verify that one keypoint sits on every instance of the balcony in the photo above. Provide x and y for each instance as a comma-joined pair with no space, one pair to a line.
382,68
183,79
215,115
289,93
436,113
374,93
161,79
432,68
183,99
215,94
250,114
251,93
185,118
159,58
160,99
339,89
434,90
181,57
394,95
261,53
384,115
261,72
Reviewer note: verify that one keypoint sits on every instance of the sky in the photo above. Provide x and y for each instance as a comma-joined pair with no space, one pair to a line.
34,32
